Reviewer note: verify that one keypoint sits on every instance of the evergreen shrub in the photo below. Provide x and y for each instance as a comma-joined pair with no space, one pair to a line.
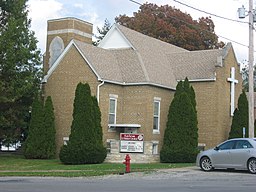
49,129
40,143
85,144
181,134
240,118
33,147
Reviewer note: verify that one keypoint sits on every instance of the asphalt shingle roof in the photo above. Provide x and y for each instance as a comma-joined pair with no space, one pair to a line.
195,65
150,61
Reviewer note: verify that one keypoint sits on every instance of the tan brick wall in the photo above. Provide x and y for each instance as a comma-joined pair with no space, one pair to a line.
135,106
105,90
61,87
66,23
213,104
135,103
69,23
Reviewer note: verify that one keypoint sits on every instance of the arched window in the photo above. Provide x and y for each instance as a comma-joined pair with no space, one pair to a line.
55,49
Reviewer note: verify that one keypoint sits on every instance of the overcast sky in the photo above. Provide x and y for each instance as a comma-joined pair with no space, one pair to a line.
96,11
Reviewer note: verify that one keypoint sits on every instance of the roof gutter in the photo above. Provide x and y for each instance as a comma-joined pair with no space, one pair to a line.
142,83
98,90
199,80
202,80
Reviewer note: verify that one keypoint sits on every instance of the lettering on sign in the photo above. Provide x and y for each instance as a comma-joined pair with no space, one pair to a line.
131,143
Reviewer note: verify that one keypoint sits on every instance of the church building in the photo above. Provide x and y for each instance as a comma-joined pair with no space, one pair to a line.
134,77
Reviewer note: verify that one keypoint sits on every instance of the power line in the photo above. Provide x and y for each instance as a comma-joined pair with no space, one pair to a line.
136,2
236,42
189,24
210,13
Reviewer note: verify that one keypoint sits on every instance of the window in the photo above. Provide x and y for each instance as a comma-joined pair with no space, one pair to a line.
227,145
155,147
108,146
112,110
156,118
242,144
55,49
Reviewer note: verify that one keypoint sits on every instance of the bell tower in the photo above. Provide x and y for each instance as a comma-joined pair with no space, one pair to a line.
60,32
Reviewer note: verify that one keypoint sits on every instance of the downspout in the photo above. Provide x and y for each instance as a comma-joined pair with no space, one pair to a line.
98,90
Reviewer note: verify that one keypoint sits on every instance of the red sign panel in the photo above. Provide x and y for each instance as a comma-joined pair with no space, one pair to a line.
131,137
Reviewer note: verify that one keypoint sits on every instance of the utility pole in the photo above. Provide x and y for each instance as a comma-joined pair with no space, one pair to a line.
251,15
251,79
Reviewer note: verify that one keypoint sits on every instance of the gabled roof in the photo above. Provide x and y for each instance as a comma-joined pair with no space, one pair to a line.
115,39
135,59
120,65
150,52
143,42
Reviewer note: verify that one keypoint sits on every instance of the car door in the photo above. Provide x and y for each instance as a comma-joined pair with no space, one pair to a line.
221,156
241,154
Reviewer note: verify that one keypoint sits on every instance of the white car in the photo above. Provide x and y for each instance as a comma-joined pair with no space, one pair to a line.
239,153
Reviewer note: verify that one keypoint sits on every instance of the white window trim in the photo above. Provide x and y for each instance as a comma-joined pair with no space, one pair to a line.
113,97
158,100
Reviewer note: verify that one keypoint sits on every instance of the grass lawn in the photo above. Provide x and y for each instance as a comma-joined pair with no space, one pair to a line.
17,165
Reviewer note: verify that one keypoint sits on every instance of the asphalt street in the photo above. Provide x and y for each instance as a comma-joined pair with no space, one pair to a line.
177,180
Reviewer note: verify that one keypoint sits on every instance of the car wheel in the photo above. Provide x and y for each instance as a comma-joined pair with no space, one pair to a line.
206,164
251,165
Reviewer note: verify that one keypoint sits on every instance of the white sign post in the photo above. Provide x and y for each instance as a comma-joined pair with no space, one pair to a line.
243,132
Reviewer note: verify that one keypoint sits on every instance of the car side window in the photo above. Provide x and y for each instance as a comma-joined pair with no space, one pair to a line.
227,145
243,145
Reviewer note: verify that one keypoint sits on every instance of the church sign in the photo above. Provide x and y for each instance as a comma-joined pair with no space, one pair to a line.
131,143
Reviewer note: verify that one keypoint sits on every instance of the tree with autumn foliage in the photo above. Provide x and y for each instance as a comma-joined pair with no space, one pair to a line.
173,26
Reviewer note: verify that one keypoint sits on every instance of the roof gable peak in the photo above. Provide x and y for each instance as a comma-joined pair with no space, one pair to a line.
62,55
115,39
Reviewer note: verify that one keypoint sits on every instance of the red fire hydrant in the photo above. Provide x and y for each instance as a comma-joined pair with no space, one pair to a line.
127,163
